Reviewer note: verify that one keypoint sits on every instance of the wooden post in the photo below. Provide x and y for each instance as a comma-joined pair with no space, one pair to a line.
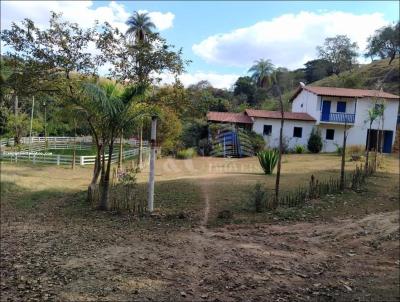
150,206
30,132
121,149
140,155
58,160
81,160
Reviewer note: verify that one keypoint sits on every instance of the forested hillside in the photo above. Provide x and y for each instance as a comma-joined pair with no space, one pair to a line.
367,76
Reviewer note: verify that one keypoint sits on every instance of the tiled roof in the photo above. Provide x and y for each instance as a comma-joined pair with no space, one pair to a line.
345,92
277,115
229,117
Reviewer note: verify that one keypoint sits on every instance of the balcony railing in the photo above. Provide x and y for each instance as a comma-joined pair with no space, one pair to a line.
338,117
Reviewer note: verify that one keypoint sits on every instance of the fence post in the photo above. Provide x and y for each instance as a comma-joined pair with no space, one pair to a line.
82,160
34,158
58,160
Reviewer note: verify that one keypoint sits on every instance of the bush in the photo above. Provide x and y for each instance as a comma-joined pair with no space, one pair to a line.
299,149
259,198
268,160
339,149
315,141
187,153
257,141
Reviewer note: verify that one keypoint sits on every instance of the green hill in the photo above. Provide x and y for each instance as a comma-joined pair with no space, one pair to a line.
367,76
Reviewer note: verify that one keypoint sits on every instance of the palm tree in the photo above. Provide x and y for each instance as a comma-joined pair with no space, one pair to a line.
139,26
261,72
110,109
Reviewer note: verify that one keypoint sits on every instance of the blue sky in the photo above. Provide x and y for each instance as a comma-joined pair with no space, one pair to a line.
223,38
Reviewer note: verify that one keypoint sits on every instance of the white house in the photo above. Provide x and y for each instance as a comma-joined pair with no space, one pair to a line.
328,109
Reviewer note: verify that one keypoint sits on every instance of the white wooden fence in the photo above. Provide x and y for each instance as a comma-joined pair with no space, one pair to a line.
43,157
62,139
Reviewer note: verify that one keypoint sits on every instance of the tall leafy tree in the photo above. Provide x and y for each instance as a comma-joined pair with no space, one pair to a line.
384,43
340,52
317,69
139,26
261,72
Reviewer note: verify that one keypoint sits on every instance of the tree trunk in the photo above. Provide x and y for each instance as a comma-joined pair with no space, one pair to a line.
96,174
150,205
368,141
342,166
17,137
74,149
278,169
105,188
140,154
121,149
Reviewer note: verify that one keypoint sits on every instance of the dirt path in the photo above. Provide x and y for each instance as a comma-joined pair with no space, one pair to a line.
63,251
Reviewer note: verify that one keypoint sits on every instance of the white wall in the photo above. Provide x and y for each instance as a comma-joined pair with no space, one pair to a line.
307,102
350,103
272,140
358,132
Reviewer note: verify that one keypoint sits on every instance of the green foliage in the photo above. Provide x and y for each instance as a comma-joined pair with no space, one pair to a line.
261,72
340,52
299,149
244,86
169,130
339,149
268,160
384,43
186,153
193,132
257,141
315,141
317,69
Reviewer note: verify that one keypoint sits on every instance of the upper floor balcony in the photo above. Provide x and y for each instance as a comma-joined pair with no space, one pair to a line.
338,111
338,117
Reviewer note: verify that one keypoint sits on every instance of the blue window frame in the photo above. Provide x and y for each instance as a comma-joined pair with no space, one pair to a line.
341,107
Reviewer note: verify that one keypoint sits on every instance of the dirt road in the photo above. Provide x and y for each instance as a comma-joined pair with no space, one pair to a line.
95,257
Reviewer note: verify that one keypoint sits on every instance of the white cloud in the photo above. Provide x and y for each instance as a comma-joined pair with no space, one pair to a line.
288,40
161,20
81,12
217,80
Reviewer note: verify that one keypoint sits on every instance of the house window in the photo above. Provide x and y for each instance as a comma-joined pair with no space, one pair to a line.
267,129
341,107
330,134
297,131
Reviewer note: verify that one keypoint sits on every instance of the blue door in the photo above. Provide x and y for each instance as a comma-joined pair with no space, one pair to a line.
326,110
387,141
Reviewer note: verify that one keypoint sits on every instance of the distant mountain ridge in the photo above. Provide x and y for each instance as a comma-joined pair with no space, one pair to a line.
367,76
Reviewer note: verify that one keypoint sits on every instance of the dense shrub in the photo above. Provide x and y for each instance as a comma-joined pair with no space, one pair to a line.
257,141
187,153
315,141
268,160
299,149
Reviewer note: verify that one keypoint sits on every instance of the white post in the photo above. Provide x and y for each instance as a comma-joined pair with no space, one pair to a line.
34,158
82,160
30,132
58,160
152,161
